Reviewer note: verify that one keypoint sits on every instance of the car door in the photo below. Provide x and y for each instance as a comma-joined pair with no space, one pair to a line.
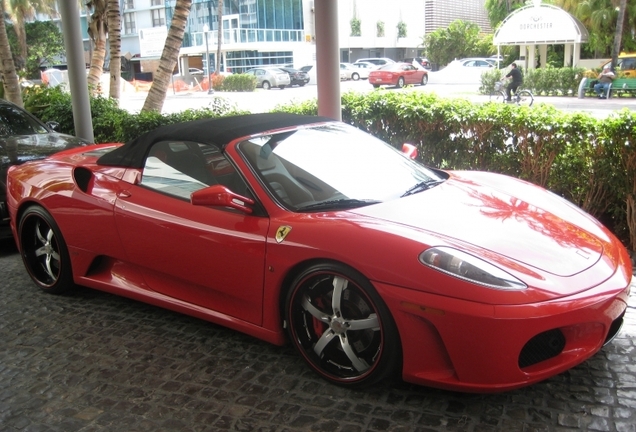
212,257
410,74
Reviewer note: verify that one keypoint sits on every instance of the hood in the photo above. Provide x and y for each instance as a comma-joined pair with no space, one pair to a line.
18,149
504,215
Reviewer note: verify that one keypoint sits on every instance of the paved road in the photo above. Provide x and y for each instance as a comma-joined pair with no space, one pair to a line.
265,100
90,361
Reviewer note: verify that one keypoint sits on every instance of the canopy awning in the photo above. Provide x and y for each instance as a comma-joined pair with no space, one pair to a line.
540,24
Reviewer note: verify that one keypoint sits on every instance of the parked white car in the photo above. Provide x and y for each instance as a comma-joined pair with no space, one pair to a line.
268,77
349,71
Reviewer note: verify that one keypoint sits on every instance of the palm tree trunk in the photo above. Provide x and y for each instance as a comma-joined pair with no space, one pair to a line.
220,38
114,40
618,34
11,83
157,94
97,30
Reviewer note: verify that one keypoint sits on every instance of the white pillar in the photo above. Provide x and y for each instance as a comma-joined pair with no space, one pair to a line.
567,59
577,54
532,60
543,55
78,82
328,59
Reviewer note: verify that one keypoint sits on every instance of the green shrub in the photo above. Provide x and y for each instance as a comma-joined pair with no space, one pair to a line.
239,83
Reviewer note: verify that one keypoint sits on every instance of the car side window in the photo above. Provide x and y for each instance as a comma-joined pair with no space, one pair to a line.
178,168
15,122
628,64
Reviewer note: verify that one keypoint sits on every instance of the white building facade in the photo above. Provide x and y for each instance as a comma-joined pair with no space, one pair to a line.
281,32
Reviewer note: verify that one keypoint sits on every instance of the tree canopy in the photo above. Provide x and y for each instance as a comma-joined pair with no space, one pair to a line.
45,44
460,39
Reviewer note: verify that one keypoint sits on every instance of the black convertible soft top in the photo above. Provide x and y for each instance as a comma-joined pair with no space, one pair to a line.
218,131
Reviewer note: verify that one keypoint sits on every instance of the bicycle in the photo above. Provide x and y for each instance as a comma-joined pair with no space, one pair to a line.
520,97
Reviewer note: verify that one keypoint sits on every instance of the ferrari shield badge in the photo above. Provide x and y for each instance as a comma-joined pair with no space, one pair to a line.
282,232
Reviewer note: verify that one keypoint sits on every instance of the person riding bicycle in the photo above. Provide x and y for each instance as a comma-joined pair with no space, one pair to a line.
515,82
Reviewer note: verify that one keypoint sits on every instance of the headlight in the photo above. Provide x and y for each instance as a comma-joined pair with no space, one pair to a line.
467,267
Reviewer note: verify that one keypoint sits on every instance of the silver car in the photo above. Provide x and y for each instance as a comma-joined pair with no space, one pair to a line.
268,77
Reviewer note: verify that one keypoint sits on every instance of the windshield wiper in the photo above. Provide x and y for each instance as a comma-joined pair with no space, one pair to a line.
421,186
343,203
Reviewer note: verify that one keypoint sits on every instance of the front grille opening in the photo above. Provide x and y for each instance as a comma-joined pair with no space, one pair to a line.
614,329
542,347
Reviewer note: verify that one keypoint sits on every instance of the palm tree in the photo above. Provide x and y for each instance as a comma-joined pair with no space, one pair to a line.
10,77
220,38
97,30
114,41
618,34
20,11
157,94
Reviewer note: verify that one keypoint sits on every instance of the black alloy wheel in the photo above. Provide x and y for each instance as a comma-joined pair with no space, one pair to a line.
341,326
44,251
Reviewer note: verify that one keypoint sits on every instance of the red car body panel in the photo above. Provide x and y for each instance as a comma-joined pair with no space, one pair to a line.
230,268
391,74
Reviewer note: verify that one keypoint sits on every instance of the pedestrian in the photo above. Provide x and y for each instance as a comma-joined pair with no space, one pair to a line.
605,79
516,79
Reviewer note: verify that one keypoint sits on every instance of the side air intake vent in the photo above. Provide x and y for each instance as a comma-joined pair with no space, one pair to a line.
82,177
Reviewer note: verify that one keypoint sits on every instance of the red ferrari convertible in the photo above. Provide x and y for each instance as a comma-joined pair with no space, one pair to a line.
398,75
306,229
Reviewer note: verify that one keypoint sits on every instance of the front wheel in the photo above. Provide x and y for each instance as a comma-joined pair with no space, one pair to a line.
525,98
341,326
400,82
500,97
44,251
266,85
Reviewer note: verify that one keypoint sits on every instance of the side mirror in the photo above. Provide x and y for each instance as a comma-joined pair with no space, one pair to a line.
53,125
220,196
409,150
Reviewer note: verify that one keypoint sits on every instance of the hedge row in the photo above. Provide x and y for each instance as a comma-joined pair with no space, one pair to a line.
548,81
589,161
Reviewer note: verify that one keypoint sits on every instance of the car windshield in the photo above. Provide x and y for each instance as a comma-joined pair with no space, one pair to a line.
334,166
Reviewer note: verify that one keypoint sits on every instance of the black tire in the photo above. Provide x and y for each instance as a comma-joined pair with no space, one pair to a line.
266,85
319,325
400,82
500,97
281,87
355,76
525,98
376,85
44,251
424,79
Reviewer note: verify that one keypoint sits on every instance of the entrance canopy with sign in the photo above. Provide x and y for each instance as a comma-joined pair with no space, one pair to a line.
542,25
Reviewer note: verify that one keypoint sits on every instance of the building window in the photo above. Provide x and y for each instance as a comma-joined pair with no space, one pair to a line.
129,23
156,3
129,4
158,18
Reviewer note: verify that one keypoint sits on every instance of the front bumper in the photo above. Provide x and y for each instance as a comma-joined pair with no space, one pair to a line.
462,345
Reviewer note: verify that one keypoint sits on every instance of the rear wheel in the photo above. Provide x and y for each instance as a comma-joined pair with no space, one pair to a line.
355,76
525,98
266,85
424,79
400,82
44,251
341,326
376,85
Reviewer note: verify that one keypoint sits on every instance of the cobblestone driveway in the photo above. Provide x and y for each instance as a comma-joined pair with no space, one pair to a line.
90,361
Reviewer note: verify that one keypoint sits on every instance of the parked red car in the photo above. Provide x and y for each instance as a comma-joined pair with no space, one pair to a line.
305,229
398,74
